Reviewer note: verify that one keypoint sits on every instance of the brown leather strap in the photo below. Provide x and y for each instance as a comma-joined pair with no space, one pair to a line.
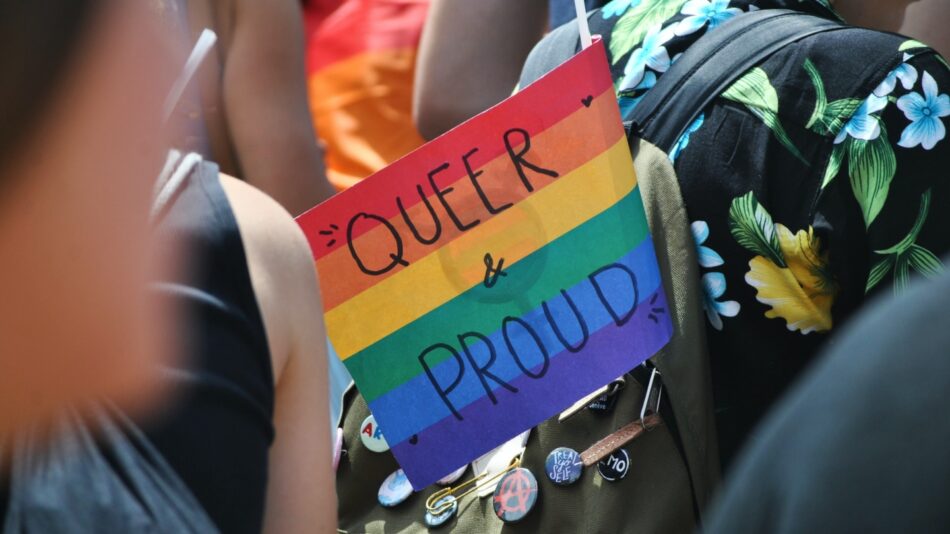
627,433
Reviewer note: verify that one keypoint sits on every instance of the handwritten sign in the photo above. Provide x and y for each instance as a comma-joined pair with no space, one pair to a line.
489,279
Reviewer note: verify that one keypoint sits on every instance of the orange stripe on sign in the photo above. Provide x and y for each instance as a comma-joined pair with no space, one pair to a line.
575,145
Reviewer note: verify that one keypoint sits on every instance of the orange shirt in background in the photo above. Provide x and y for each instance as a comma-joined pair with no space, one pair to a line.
361,57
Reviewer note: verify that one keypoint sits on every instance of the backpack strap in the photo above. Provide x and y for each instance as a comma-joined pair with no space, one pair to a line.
712,64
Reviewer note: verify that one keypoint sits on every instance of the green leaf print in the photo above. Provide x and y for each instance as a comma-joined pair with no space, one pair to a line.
911,238
752,227
907,255
821,100
878,272
872,166
755,91
910,45
828,118
636,22
924,262
834,164
901,274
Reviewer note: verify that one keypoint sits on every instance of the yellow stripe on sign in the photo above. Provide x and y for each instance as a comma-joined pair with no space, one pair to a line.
459,265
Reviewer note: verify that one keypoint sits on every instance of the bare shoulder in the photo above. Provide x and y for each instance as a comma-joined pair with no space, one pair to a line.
266,225
280,263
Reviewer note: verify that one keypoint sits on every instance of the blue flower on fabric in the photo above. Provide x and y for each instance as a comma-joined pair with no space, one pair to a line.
708,257
683,141
652,53
702,12
864,124
615,8
905,73
627,102
925,112
714,286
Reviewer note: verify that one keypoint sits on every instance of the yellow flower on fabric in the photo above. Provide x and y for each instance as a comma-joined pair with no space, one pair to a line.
799,293
789,273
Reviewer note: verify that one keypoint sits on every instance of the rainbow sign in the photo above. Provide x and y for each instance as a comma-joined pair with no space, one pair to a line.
494,276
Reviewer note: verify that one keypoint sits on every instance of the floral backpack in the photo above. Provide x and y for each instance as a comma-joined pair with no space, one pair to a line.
673,467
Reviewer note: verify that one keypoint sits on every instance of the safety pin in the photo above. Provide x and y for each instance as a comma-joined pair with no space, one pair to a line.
479,483
647,396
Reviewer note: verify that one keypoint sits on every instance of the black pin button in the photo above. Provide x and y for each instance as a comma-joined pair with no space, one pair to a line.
614,467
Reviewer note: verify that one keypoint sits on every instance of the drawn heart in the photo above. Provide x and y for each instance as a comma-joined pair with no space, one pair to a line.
587,101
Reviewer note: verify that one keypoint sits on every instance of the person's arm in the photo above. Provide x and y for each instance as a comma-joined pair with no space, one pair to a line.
927,21
300,491
470,58
265,99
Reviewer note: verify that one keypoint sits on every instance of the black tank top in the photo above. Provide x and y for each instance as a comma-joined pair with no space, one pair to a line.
218,432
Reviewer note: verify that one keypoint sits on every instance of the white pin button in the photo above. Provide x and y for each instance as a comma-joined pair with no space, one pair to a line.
372,437
452,478
394,490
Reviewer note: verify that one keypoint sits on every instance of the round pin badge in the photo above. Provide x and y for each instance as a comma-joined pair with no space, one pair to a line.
371,436
615,466
452,478
394,490
515,495
436,521
564,466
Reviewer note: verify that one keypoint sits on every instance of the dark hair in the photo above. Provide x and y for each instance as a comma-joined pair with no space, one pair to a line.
38,40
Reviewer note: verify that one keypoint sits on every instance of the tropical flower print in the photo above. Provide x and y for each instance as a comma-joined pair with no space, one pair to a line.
702,12
925,112
631,28
683,141
652,53
756,92
907,255
789,273
628,102
864,124
708,257
616,8
714,286
861,142
905,73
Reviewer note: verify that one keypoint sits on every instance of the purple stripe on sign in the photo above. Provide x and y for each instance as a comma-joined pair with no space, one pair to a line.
611,351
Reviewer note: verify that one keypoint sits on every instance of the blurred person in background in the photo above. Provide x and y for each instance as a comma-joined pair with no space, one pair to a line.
248,431
249,110
470,58
445,94
361,59
928,21
81,142
860,444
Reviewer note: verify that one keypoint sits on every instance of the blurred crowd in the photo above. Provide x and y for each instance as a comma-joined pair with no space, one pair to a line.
165,367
